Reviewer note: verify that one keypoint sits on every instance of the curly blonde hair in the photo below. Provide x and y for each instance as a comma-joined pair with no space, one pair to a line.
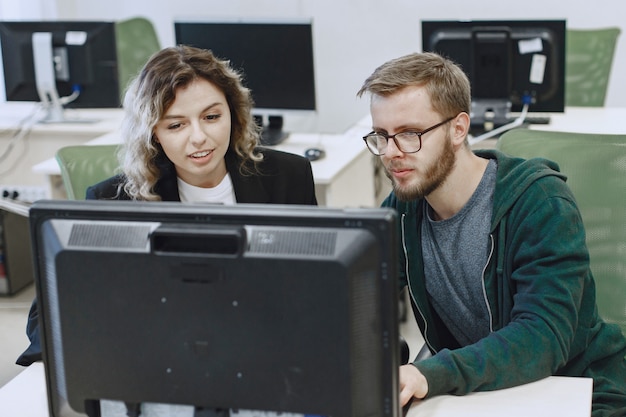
153,91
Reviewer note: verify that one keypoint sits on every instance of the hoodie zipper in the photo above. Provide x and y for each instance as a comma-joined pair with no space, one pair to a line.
485,287
406,270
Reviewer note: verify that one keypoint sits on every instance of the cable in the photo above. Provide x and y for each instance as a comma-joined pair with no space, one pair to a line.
26,124
23,128
515,123
75,93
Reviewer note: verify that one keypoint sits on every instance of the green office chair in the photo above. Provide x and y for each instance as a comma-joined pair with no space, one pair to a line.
136,42
595,166
588,60
85,165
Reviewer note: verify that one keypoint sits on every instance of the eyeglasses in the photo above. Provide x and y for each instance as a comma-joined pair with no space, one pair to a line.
407,142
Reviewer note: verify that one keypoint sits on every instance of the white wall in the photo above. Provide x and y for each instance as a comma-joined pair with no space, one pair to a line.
31,9
352,37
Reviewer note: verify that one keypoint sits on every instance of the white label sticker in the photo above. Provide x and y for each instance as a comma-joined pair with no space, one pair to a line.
74,37
538,69
530,46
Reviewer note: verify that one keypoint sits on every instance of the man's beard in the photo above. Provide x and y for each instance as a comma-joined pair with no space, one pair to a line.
434,176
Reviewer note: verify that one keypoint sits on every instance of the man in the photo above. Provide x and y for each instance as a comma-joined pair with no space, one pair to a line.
492,248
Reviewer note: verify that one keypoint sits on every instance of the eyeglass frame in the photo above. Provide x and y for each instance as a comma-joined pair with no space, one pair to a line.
393,137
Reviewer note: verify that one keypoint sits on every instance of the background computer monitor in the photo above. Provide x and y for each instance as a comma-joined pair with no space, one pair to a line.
254,307
276,58
84,58
507,61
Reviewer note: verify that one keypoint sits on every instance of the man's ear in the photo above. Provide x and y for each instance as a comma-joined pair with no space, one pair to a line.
460,125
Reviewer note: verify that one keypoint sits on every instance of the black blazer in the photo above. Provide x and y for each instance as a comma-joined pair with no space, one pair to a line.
284,178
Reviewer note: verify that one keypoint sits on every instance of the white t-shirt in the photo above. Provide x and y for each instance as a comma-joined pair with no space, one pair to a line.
222,193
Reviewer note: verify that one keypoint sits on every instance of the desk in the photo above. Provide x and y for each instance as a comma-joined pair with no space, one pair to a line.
25,396
603,120
42,140
343,178
553,396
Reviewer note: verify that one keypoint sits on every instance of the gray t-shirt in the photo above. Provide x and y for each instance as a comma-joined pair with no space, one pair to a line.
455,252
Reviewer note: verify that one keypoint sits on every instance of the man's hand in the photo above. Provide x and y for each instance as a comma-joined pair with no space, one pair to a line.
412,384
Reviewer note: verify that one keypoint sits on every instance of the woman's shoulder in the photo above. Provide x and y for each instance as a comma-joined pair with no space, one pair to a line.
277,158
106,189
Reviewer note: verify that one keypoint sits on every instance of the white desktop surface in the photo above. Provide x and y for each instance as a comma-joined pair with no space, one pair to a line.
25,396
601,120
83,122
604,120
23,142
553,396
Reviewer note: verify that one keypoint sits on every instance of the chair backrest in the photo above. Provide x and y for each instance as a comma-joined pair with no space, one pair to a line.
588,60
595,166
85,165
136,41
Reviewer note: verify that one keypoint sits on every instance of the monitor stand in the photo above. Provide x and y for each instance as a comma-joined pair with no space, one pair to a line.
273,133
488,114
45,62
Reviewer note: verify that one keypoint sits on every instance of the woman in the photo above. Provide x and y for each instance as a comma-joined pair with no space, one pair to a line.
189,136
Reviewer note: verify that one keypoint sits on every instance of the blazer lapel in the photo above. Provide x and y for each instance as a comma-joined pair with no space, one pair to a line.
249,188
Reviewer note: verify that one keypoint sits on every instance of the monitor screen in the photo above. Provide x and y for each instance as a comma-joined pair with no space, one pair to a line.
518,61
275,57
84,59
246,307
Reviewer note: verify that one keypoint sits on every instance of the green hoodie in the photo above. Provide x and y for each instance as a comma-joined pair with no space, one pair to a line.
538,288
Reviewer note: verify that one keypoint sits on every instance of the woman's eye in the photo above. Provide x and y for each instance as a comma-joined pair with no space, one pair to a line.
212,116
174,126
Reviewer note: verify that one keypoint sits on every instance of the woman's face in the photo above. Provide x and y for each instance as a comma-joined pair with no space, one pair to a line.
195,133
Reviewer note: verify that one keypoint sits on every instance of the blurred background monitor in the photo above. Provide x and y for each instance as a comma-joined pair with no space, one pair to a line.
249,307
509,62
77,61
276,58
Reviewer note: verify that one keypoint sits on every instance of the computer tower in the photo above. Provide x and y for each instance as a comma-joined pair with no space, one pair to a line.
16,266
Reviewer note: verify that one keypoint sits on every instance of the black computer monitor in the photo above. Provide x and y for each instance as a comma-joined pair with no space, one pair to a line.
253,307
276,58
509,62
78,56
